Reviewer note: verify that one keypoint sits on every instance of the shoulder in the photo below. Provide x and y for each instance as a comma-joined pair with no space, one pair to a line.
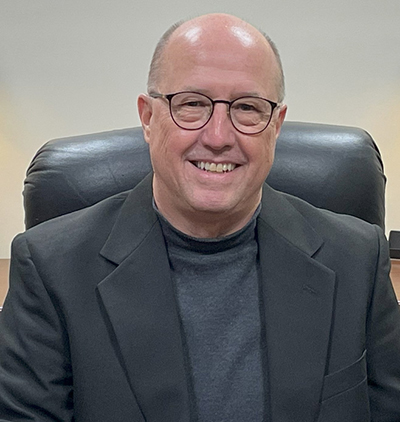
74,229
355,250
337,227
340,234
331,223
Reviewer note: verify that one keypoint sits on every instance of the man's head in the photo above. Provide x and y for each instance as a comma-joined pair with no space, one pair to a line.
223,58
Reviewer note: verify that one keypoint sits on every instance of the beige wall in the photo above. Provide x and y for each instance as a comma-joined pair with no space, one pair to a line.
72,67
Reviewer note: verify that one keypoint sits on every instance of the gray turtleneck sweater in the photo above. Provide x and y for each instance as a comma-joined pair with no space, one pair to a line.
218,291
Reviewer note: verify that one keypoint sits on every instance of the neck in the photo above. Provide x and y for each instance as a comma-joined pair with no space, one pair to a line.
207,225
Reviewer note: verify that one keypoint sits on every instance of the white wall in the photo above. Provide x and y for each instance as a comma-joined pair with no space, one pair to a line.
74,67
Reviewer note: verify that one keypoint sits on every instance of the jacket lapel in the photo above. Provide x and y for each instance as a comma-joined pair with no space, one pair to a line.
298,298
139,300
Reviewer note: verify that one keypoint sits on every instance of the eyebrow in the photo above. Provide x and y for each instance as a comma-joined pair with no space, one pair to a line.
237,95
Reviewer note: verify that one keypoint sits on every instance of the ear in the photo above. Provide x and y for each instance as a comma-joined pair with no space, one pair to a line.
279,121
145,109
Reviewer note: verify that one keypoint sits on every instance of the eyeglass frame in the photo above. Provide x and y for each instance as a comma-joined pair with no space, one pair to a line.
274,106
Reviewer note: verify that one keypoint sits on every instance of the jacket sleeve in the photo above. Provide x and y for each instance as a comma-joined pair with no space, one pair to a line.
383,343
35,371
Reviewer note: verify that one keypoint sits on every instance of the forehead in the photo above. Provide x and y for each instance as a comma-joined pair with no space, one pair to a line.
232,56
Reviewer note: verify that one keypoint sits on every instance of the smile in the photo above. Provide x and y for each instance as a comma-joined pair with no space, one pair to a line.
213,167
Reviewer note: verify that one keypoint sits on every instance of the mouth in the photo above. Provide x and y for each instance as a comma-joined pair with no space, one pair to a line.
214,167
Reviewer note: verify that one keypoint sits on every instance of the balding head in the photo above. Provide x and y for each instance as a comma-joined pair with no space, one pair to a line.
208,174
217,27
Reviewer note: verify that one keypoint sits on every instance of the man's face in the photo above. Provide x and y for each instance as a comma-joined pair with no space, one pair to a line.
222,66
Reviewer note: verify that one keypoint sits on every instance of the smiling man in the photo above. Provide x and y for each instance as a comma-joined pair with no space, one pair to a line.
224,110
203,295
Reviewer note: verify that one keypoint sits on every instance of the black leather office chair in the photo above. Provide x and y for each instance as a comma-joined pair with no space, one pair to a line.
333,167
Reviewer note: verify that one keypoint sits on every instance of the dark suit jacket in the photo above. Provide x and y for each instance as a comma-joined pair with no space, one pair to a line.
90,327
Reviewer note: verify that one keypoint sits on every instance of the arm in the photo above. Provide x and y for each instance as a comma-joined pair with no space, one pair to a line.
383,343
35,372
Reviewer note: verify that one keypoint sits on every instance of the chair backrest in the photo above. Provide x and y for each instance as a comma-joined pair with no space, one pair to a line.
333,167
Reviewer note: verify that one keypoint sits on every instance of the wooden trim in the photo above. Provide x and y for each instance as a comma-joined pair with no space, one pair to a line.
395,276
4,270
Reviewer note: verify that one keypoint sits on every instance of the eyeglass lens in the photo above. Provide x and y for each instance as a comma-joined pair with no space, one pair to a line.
248,114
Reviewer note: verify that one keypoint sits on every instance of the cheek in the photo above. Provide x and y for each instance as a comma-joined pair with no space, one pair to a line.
160,129
168,146
270,153
171,142
262,152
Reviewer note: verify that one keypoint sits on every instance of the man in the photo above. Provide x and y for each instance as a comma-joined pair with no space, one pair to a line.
203,294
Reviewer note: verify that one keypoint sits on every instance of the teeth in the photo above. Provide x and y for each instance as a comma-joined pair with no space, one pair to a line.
215,168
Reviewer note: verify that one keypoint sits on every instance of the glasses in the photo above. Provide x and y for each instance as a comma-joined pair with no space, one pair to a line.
192,111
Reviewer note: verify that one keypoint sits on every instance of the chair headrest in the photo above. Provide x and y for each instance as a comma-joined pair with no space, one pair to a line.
333,167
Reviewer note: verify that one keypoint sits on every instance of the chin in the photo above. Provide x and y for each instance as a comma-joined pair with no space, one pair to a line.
213,206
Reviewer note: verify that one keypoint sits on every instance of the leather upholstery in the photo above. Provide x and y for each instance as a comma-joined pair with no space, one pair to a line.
333,167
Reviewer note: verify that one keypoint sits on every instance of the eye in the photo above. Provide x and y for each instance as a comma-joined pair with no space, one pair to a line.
194,103
245,107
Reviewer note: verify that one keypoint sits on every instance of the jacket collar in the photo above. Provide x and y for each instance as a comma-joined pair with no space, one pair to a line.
135,220
281,216
137,217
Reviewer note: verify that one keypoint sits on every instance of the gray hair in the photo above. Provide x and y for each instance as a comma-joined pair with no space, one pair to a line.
155,65
156,61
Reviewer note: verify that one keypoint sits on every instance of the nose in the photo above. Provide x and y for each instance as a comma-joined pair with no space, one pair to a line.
219,132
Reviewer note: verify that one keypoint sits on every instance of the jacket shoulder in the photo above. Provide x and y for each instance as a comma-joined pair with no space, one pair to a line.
70,230
331,224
